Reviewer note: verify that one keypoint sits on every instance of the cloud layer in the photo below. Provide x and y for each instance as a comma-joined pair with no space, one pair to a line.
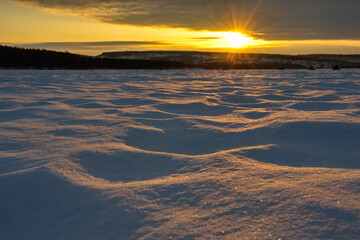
272,19
94,48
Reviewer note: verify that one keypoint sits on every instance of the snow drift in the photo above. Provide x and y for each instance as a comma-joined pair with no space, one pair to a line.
179,154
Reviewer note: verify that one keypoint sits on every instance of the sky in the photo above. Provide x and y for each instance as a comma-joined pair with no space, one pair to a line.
264,26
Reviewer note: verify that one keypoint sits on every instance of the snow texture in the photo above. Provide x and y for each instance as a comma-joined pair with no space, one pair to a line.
185,154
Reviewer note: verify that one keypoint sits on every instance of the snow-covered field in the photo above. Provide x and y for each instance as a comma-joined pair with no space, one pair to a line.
187,154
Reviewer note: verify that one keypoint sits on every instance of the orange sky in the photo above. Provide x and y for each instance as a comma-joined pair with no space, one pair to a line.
60,30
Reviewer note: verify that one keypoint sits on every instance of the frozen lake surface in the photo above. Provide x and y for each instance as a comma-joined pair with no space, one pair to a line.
185,154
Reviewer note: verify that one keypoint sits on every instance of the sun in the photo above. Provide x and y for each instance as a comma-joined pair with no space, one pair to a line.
236,40
233,40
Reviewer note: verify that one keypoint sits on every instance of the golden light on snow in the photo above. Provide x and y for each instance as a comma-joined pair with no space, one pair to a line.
210,153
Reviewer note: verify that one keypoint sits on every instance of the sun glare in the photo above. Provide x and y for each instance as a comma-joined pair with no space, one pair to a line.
234,40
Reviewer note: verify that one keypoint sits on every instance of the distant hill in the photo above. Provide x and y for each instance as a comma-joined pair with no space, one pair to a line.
13,57
21,58
242,60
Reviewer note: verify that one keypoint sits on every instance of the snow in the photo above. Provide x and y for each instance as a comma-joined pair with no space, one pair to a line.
180,154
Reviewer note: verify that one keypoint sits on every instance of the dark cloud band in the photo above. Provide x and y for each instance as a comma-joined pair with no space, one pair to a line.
271,19
86,45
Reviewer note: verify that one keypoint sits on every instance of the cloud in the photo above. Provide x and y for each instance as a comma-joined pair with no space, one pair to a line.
91,44
93,48
268,19
206,38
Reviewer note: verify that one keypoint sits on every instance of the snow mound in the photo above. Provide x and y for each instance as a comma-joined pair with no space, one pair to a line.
185,154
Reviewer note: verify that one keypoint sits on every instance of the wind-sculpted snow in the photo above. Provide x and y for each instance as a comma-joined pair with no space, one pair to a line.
185,154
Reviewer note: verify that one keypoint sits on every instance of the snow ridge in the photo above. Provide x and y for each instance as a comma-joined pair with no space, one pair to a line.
180,154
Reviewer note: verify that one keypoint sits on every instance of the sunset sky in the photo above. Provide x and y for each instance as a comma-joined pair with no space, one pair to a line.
266,26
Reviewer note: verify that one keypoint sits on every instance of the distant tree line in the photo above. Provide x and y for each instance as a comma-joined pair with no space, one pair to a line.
13,57
235,60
